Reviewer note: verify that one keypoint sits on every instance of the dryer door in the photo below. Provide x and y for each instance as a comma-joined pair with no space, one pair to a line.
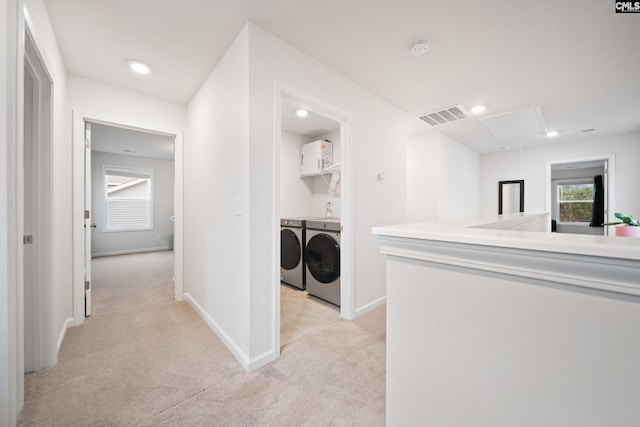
290,249
323,258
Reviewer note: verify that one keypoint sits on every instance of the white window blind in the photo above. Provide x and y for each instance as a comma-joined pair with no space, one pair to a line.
128,201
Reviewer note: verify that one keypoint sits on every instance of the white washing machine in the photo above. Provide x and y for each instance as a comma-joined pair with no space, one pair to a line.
322,254
292,240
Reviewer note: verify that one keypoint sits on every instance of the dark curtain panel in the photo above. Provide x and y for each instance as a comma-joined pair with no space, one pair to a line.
597,211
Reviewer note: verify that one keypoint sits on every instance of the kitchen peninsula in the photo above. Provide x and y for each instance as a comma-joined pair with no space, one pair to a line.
499,322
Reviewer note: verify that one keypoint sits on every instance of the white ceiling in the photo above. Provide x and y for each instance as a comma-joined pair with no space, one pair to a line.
312,126
128,142
575,59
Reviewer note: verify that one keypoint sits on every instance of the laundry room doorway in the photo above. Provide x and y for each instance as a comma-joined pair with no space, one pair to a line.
314,200
127,197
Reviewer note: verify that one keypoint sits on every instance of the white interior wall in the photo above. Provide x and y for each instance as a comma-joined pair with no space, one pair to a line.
442,179
295,192
531,166
577,173
161,237
60,293
320,184
11,377
423,172
92,97
459,188
231,141
217,202
379,146
89,98
470,349
58,308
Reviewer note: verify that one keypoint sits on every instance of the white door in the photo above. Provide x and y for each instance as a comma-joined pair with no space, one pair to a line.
89,225
31,235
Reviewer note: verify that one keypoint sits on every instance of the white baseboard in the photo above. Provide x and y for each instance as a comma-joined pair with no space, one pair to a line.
260,361
248,364
132,251
372,305
67,324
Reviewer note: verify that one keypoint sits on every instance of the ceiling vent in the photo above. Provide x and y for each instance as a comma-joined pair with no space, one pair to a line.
446,115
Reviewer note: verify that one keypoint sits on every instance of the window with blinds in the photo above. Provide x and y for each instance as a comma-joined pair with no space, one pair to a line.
128,198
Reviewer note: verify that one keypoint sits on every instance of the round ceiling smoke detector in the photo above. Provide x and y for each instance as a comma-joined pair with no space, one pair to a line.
420,47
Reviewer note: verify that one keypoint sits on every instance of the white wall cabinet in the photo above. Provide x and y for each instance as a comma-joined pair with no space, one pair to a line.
315,157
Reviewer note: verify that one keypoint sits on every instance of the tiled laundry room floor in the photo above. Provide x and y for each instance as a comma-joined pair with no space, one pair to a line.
301,314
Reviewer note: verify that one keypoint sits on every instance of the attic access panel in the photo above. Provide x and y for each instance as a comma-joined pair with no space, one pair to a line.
526,122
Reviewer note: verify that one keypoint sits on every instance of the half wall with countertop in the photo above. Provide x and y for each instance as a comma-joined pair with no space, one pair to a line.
488,324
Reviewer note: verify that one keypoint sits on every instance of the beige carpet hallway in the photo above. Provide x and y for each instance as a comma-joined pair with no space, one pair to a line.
144,359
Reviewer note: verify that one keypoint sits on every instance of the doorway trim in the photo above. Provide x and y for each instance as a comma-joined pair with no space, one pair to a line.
347,191
610,189
79,120
40,346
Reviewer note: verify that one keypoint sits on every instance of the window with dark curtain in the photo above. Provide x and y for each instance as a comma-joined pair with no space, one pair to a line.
597,210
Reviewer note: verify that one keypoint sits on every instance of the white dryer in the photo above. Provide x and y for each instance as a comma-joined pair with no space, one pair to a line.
322,254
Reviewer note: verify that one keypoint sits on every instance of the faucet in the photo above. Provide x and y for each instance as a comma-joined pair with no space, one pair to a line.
328,213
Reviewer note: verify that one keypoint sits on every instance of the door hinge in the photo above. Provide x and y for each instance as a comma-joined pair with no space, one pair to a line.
87,134
87,285
27,240
87,214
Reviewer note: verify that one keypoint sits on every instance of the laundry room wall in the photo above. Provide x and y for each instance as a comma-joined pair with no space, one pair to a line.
320,192
114,243
295,192
305,196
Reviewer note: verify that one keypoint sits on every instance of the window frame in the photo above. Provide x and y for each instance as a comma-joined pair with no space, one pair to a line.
127,171
556,203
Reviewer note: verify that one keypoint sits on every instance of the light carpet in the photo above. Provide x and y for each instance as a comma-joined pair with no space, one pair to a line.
144,359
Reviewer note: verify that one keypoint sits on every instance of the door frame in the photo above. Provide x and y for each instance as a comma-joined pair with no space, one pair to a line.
610,186
347,191
78,123
40,346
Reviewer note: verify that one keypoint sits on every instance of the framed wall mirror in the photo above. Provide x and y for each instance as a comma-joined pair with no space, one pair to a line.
510,196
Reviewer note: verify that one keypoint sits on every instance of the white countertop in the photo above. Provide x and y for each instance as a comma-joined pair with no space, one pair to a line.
502,231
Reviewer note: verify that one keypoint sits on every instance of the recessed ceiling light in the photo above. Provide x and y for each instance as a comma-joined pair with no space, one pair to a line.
139,67
478,109
301,112
420,47
552,133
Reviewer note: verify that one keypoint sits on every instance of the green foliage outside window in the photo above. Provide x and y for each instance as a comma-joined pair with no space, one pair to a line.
575,202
